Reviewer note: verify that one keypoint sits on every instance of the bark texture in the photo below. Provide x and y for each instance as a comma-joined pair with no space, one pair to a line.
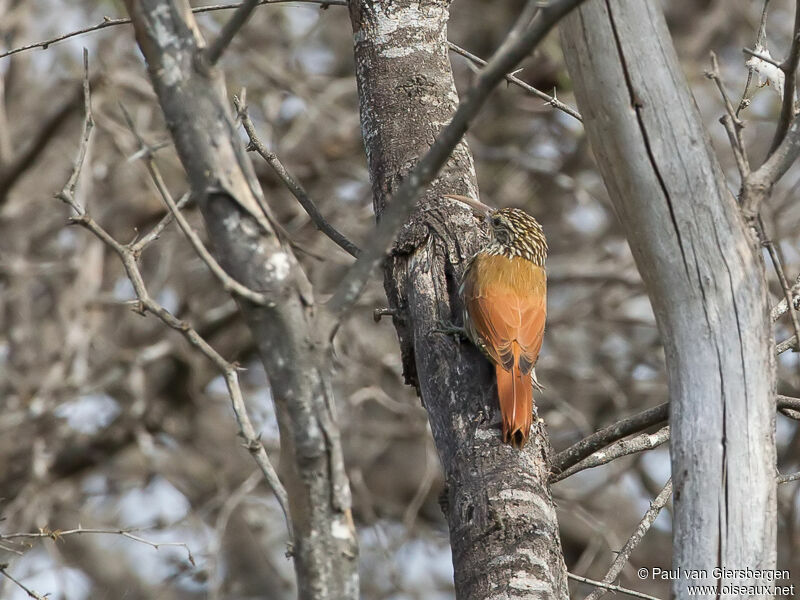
703,276
198,114
502,520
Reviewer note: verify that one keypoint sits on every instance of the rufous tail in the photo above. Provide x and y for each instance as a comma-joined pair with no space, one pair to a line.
515,391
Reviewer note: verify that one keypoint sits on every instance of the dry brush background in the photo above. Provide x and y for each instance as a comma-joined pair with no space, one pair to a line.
110,421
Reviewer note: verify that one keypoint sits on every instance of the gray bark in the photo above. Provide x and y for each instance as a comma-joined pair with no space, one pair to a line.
502,520
703,275
193,98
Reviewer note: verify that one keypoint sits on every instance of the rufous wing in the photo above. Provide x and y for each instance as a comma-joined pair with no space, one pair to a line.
505,300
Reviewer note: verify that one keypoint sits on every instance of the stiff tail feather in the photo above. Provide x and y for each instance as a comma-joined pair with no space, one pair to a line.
515,391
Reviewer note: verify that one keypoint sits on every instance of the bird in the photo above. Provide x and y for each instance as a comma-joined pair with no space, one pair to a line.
504,295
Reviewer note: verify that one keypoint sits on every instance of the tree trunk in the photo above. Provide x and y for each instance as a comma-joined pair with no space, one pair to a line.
198,114
702,272
502,520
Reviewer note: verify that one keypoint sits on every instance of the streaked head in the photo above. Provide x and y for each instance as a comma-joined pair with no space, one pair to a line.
514,232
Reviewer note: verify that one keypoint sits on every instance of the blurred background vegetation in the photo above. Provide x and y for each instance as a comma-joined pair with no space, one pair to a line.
108,420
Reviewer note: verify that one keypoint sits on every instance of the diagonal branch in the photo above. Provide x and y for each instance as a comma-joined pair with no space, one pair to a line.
109,22
639,533
513,49
230,29
58,534
511,78
228,283
599,440
610,587
146,303
247,244
617,450
297,190
761,40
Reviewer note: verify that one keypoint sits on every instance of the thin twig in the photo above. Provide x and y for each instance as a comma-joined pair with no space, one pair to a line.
109,22
628,426
30,592
618,449
610,587
517,45
788,402
152,235
297,190
788,478
764,57
229,30
549,100
733,125
67,193
777,264
789,407
147,304
781,307
228,282
229,370
57,534
761,42
641,529
787,344
37,141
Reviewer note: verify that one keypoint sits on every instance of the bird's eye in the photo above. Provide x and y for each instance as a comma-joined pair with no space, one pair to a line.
496,220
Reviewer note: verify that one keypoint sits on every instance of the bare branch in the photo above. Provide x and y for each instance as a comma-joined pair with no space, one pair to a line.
246,240
777,263
147,304
58,534
781,307
610,587
297,190
787,344
228,282
758,186
67,193
766,58
788,478
109,22
229,30
619,449
592,444
152,235
761,39
588,446
733,125
641,529
229,370
514,48
549,100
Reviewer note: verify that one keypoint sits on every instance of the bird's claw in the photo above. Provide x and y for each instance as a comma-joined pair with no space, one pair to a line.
448,328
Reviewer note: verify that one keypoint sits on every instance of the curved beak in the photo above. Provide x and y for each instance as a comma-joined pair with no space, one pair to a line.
479,209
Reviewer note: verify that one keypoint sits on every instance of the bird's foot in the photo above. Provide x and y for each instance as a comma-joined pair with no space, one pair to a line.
536,383
448,328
